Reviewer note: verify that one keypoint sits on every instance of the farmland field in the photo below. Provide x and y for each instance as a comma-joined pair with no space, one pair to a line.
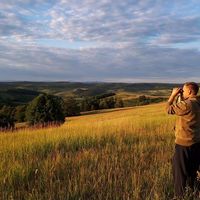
122,154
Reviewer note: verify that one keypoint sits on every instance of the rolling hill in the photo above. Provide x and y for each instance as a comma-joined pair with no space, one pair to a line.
16,93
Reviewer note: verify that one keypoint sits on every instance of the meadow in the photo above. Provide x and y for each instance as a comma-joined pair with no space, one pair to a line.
120,154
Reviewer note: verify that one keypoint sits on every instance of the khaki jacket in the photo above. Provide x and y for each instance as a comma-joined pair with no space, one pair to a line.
187,130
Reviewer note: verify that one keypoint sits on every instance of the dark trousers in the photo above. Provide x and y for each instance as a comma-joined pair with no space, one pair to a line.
185,163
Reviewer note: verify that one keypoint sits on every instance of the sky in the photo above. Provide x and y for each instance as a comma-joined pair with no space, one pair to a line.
100,40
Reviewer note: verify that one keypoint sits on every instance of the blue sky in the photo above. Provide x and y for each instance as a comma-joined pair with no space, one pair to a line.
105,40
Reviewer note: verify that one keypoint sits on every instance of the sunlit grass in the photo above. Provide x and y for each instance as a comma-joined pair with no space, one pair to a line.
123,154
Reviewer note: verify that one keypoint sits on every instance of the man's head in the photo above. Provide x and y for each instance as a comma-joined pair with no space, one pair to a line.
190,89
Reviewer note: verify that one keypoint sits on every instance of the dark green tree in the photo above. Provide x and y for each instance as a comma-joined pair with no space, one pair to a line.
103,104
7,117
143,100
45,109
20,113
95,103
110,102
71,107
85,105
90,103
119,103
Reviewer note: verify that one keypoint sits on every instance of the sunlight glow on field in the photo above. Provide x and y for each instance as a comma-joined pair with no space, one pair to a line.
123,154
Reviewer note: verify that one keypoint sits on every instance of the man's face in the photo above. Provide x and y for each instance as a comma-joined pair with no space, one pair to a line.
186,92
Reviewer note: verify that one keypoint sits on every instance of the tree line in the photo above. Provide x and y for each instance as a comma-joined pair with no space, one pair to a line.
48,109
43,110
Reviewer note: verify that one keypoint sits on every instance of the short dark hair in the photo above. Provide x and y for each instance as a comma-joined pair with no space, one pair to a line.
193,87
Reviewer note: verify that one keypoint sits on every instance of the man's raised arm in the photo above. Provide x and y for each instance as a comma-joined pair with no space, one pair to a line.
180,108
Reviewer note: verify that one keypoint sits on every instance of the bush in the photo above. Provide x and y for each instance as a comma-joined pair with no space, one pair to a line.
20,112
103,104
7,117
44,110
71,107
6,122
110,101
119,103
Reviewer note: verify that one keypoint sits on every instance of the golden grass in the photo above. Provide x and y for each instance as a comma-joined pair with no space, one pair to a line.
124,154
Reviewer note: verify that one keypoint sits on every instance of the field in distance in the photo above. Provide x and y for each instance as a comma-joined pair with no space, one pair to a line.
120,154
20,93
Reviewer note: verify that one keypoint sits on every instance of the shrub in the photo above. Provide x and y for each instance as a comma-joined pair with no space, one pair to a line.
7,117
20,112
119,103
71,107
44,110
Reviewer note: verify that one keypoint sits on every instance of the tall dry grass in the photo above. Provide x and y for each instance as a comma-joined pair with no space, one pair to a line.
123,154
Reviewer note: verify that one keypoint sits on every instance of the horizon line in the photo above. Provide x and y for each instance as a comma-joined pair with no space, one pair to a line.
23,81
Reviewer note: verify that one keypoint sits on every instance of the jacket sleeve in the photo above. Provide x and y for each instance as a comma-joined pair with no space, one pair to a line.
181,108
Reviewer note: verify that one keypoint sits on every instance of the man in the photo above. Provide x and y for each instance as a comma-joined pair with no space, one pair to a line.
186,159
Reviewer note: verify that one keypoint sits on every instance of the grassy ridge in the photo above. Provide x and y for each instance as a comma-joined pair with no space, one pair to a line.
124,154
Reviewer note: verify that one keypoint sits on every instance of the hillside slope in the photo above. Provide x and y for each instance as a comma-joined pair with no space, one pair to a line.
124,154
16,93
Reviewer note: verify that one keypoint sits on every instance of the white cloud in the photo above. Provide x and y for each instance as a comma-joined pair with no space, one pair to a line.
124,40
101,64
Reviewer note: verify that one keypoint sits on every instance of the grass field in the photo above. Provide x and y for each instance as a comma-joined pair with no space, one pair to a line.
124,154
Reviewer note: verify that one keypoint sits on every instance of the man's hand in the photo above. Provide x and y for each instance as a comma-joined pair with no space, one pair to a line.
174,93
